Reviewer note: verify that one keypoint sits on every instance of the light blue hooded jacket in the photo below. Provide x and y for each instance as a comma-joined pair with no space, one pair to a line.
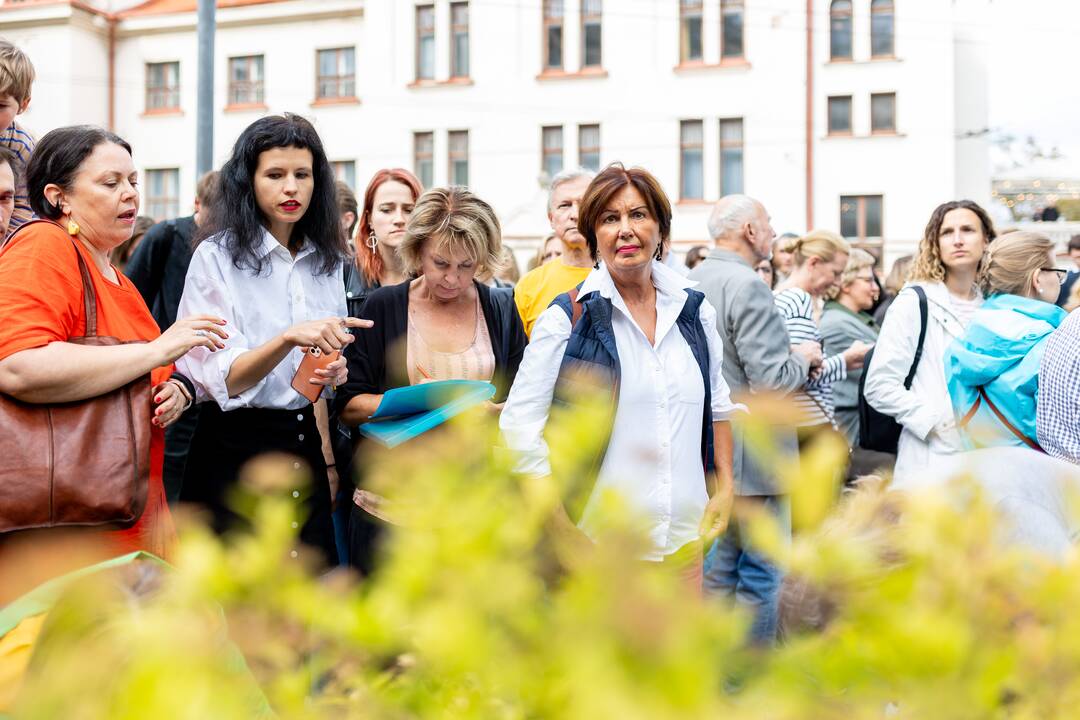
1000,352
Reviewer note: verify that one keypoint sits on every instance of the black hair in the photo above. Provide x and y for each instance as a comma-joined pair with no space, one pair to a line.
235,212
6,156
57,159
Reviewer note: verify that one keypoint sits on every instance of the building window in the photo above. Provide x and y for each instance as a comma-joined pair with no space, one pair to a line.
840,30
882,37
163,86
425,42
163,193
731,31
692,175
690,41
589,147
552,152
861,223
840,115
731,156
424,157
458,146
553,34
337,73
883,113
246,80
459,39
591,45
345,170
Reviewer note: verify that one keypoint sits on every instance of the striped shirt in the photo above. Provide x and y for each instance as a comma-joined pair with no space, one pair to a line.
21,145
815,400
1057,415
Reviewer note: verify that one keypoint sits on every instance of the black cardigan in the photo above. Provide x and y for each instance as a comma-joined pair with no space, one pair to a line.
388,308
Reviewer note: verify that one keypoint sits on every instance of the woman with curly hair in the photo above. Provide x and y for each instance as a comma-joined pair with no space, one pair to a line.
944,279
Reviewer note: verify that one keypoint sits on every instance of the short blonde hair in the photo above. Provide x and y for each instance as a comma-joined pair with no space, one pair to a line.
823,244
456,218
858,260
1012,262
16,73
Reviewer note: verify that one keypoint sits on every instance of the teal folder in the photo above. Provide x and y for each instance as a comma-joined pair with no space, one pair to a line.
406,412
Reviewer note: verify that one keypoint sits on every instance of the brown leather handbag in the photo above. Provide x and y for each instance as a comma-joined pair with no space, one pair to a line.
79,463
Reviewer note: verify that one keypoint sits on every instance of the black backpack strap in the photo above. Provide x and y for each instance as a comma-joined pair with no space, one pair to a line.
924,312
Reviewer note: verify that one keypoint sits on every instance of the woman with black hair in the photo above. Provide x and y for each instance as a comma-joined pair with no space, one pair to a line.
269,261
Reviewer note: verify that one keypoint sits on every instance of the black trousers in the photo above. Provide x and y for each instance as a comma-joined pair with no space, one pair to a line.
225,441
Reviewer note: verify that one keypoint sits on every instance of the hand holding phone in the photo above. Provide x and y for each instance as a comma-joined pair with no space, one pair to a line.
314,359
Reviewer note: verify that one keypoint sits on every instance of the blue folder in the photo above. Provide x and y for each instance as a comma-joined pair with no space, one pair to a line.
406,412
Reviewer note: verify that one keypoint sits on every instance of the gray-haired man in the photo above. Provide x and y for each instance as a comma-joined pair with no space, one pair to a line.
535,291
758,358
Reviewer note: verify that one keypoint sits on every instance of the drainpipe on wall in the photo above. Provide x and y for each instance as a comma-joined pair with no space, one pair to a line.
809,114
111,20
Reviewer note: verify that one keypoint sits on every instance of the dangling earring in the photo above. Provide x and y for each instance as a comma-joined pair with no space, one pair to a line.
72,228
659,252
372,241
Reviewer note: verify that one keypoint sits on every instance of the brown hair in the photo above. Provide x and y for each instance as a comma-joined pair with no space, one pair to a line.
371,263
928,265
606,185
16,73
898,274
206,187
1013,262
454,217
346,200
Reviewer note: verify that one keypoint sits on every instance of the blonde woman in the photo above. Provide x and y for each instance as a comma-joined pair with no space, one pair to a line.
993,370
443,325
945,269
845,321
819,260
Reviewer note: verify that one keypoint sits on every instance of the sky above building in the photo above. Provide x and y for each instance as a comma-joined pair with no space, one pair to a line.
1032,67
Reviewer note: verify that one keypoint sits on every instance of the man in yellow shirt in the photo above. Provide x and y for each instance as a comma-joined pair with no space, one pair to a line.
535,291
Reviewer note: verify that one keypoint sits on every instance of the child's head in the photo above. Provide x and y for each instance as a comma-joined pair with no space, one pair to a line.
16,80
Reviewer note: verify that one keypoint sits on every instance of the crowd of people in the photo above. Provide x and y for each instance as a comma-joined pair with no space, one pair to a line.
964,345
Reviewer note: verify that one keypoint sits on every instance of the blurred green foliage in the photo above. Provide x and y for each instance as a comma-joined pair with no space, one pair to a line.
468,617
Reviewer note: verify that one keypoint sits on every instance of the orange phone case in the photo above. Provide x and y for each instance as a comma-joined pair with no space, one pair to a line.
314,359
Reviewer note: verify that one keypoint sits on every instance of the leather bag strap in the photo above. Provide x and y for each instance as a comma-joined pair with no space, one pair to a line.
983,397
575,305
89,294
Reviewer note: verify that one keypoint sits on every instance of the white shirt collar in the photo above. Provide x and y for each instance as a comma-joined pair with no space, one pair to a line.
667,281
270,244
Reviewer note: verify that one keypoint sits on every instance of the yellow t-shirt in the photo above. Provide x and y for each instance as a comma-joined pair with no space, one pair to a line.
535,291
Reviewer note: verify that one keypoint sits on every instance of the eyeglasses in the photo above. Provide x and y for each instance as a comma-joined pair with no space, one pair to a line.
1062,274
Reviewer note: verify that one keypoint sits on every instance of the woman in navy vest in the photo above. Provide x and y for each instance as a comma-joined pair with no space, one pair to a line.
637,330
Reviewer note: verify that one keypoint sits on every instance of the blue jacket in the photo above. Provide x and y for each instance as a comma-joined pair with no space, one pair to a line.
592,356
1000,352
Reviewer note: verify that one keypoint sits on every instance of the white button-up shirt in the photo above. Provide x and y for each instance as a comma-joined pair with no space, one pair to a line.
257,309
653,459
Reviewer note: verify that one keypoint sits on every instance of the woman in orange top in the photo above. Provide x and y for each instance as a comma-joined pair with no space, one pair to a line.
83,180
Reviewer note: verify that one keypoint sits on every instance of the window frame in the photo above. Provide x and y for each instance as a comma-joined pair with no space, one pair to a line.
583,148
345,170
872,244
877,8
728,145
457,29
741,5
341,81
597,19
545,152
427,156
549,21
846,14
172,201
419,37
169,93
830,132
883,131
452,155
686,14
683,148
252,86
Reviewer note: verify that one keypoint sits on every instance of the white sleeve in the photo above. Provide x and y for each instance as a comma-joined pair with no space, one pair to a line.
206,292
525,414
722,407
889,366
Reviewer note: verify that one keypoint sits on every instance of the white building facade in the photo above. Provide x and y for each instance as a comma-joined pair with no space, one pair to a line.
854,115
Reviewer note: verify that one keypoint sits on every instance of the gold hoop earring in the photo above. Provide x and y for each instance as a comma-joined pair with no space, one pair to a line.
72,228
372,242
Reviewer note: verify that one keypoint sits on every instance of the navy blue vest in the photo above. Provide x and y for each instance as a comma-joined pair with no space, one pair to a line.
591,364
